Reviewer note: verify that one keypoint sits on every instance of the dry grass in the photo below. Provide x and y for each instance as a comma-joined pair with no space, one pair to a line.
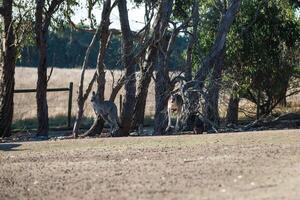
25,104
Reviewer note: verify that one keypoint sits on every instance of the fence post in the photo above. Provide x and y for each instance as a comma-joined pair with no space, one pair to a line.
70,104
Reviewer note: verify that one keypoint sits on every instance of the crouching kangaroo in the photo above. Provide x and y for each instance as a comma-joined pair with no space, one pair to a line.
107,110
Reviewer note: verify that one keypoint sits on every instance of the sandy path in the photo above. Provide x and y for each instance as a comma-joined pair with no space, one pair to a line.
257,165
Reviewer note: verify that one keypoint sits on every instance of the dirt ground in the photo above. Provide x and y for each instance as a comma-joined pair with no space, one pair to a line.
255,165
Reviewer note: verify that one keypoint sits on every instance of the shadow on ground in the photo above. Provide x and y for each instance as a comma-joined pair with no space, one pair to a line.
9,147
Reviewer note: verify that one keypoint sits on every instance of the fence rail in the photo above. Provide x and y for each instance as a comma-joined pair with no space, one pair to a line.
48,90
69,89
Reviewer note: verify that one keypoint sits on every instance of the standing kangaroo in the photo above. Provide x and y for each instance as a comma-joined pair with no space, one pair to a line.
175,104
107,110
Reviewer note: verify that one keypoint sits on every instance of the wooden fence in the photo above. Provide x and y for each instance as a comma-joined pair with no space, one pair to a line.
70,89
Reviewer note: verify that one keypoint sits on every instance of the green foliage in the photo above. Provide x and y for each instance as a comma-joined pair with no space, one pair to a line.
263,51
262,48
23,14
182,8
210,16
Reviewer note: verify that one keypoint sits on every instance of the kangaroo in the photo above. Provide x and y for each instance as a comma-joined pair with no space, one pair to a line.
175,104
197,123
107,110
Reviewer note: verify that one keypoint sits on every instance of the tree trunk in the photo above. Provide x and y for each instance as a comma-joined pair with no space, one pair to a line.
193,39
79,116
161,97
192,98
7,70
41,91
162,90
233,110
216,50
142,92
129,66
212,99
103,43
43,15
41,88
258,105
160,26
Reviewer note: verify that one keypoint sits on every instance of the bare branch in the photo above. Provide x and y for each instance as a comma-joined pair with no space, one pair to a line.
117,88
84,65
121,81
92,30
90,86
176,79
51,70
138,34
73,25
91,5
113,79
53,7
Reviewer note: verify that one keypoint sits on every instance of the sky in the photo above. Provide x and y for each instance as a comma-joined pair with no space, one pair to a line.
136,16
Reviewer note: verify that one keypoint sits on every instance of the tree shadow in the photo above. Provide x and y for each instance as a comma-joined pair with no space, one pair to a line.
9,147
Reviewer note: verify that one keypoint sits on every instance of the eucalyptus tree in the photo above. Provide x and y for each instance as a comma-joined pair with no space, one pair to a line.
16,32
184,15
263,54
44,12
129,66
7,67
211,57
211,109
158,33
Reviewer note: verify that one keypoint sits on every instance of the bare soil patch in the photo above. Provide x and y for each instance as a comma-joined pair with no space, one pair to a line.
254,165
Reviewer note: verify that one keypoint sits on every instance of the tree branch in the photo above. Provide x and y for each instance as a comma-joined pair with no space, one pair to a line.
52,9
93,30
2,10
117,88
90,86
48,79
219,43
